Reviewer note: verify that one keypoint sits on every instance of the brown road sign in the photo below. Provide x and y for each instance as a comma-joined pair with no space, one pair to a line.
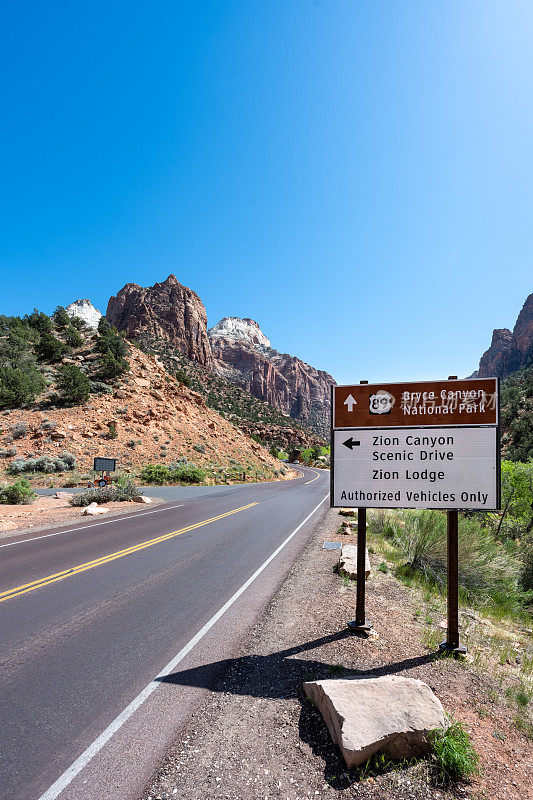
472,401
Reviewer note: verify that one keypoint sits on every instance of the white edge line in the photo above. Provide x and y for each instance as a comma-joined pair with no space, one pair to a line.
76,767
94,525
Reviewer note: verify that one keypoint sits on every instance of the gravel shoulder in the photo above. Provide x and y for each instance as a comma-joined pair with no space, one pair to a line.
258,737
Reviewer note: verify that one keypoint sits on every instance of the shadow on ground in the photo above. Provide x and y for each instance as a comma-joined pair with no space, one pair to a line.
280,675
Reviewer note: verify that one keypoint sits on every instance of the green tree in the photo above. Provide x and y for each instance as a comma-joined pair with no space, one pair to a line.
111,367
19,386
72,337
73,383
40,321
50,348
61,318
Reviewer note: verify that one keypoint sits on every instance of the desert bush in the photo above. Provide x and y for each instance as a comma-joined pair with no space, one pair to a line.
48,464
200,448
183,378
50,348
112,367
107,494
98,387
61,318
487,570
73,337
19,431
161,474
19,386
8,452
73,383
17,493
40,321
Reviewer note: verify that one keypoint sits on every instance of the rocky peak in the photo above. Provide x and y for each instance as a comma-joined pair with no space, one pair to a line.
167,311
86,311
243,330
510,350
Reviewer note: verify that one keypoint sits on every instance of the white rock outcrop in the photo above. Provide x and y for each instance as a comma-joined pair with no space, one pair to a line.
348,561
364,716
242,330
84,309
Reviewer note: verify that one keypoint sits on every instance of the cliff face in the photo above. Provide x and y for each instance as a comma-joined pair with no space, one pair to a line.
510,350
166,311
236,348
243,354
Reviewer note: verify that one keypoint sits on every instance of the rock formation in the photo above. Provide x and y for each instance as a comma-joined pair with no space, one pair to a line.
167,311
510,351
243,354
86,311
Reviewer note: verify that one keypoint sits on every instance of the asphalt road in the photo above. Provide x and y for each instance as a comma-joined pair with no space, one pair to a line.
92,613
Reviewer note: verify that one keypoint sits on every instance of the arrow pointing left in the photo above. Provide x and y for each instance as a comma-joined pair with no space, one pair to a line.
351,443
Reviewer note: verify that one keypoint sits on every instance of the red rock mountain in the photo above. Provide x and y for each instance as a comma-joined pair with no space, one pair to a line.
510,350
166,311
243,354
235,348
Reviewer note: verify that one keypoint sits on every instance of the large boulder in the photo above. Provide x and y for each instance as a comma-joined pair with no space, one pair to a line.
348,562
364,716
93,509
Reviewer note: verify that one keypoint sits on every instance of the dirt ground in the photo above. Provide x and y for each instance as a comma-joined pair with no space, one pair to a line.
258,737
49,512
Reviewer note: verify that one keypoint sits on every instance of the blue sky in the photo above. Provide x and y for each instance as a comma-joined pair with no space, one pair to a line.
356,176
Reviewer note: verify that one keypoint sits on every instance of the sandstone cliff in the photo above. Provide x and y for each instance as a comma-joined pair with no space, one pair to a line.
236,348
243,354
510,350
166,311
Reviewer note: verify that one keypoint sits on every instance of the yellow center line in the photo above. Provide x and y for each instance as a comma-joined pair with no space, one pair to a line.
313,479
67,573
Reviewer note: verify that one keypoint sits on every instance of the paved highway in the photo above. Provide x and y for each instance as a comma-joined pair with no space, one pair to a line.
91,614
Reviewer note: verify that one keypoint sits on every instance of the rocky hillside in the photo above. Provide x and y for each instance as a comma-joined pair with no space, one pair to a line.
167,311
235,349
150,418
70,392
510,350
256,418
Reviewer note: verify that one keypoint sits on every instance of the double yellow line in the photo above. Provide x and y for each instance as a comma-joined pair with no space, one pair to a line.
313,479
67,573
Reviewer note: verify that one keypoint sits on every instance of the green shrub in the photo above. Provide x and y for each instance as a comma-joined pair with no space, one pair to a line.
17,493
183,378
62,463
19,386
50,348
40,321
73,337
112,432
73,383
107,494
61,318
487,569
19,430
98,387
155,473
161,474
455,753
112,367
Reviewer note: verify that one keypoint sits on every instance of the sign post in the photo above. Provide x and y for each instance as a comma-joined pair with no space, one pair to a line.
432,444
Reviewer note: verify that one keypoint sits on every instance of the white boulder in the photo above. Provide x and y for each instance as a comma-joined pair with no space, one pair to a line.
93,509
365,716
348,561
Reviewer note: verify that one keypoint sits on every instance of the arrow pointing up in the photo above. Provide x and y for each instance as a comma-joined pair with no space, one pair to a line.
350,402
351,443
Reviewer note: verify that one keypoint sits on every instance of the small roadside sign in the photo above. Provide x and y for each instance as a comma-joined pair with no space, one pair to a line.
104,464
